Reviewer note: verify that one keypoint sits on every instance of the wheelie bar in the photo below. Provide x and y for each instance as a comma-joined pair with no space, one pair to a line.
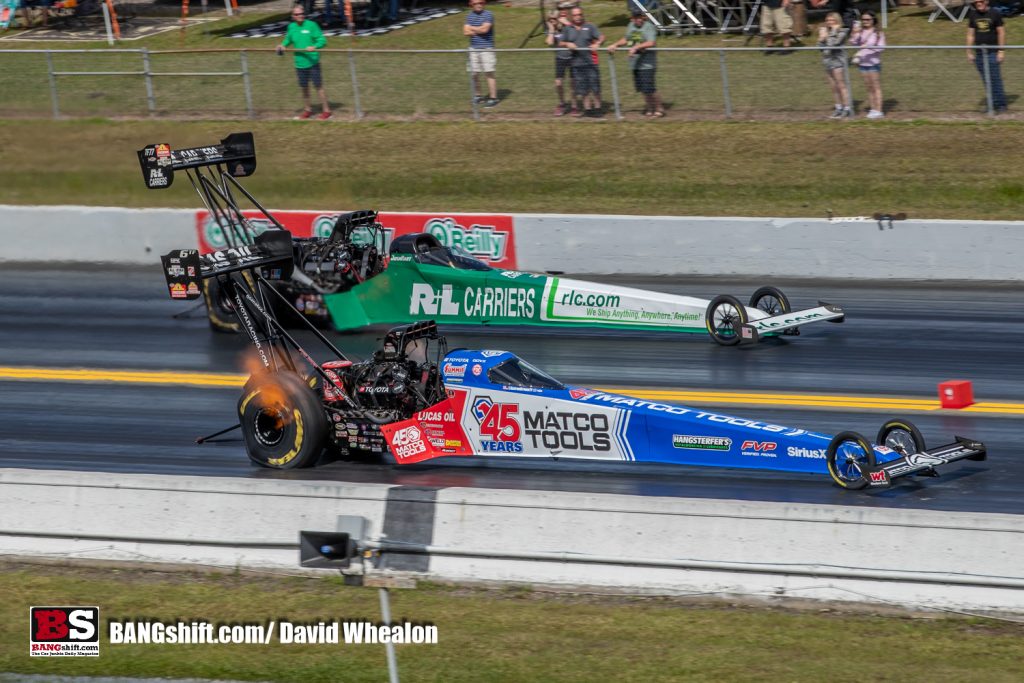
926,461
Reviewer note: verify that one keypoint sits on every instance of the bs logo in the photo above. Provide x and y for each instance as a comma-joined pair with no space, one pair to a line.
64,624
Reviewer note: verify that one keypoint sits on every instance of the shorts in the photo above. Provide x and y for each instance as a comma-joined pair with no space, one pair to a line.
586,79
643,81
310,74
561,67
482,60
775,21
833,63
877,68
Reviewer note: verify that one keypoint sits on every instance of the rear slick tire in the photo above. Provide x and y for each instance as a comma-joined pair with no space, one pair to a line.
220,311
849,458
722,319
283,421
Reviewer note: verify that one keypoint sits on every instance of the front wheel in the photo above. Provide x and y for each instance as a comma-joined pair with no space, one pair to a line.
283,421
723,318
771,300
849,458
902,436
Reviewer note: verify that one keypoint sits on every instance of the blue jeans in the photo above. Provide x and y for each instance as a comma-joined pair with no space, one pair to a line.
995,75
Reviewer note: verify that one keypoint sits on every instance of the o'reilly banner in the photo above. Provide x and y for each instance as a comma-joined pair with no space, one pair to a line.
489,237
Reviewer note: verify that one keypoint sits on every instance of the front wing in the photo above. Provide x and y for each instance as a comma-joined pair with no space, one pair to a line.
925,462
751,332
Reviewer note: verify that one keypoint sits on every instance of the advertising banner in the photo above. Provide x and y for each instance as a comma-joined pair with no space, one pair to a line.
488,237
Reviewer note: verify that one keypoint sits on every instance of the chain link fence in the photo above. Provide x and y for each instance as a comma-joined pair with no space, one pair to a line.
695,83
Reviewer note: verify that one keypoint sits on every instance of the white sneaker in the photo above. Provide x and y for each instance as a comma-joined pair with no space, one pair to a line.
874,114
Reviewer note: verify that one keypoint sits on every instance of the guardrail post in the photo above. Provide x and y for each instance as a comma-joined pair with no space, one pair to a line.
148,75
355,85
725,84
53,84
472,89
615,88
988,80
849,86
106,21
247,85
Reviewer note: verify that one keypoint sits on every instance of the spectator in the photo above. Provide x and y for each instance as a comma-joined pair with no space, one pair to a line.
479,27
44,7
868,59
831,37
847,12
985,28
557,21
640,38
583,39
306,37
775,19
798,12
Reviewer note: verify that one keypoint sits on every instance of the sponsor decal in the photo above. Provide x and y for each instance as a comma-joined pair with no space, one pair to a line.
580,394
453,370
477,302
477,370
574,300
178,291
884,449
193,289
163,151
878,475
759,448
499,426
157,178
175,270
919,459
492,354
701,443
64,631
762,325
407,442
800,452
568,430
490,238
191,271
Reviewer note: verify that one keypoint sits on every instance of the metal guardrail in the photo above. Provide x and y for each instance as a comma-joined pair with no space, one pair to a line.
698,82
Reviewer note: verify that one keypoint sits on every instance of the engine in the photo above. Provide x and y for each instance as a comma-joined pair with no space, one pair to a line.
400,379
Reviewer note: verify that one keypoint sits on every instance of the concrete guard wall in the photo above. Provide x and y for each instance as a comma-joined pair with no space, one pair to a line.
650,245
632,543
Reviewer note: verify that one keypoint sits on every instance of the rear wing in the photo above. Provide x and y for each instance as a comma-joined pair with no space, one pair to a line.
185,268
236,154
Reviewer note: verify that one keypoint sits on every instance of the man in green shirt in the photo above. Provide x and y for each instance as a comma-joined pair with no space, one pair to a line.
640,38
306,37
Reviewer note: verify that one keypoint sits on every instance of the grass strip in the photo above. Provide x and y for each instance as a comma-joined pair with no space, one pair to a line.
929,170
515,634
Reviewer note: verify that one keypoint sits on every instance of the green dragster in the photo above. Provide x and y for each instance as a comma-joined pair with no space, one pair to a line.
425,280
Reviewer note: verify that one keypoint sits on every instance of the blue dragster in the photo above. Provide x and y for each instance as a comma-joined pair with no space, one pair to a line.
499,405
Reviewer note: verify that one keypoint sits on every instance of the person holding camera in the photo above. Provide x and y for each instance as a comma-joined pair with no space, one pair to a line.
640,37
868,59
831,38
557,20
